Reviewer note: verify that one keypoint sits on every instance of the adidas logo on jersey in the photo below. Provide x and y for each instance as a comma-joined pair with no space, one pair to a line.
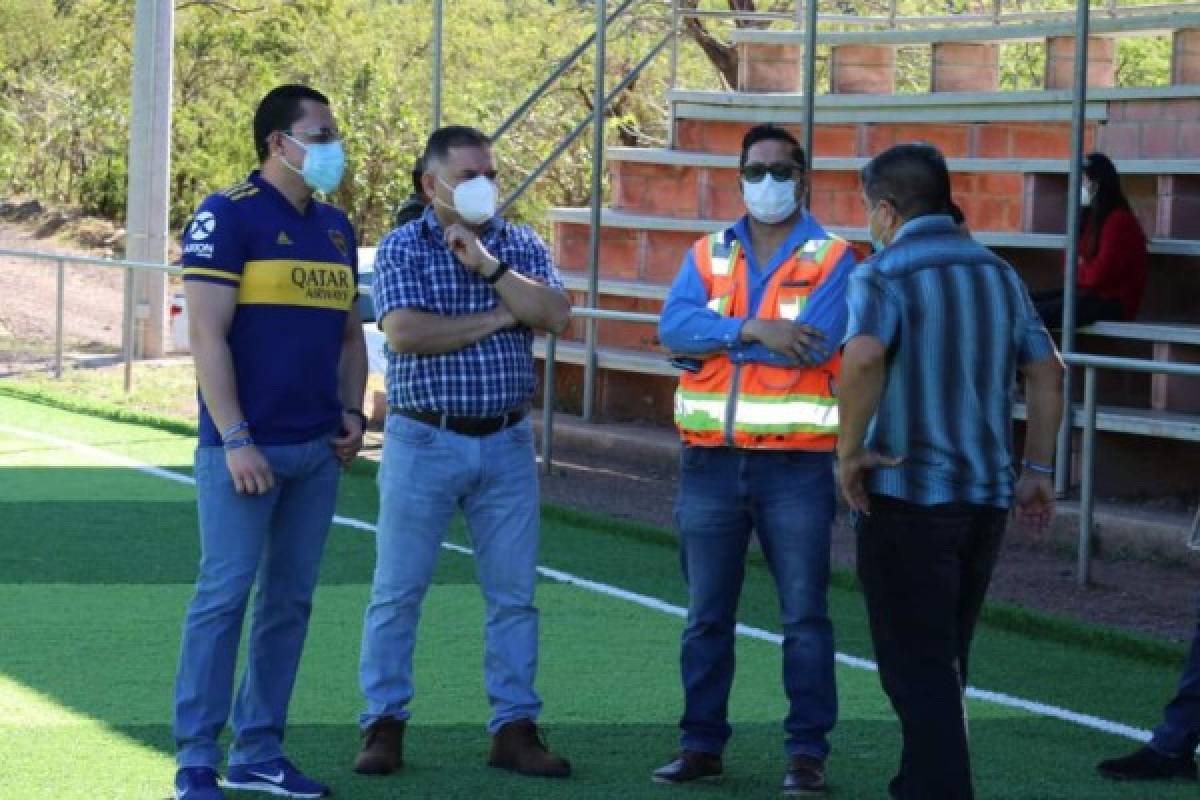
283,238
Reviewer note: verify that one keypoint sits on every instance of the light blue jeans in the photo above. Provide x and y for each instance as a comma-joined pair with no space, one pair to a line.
426,476
277,538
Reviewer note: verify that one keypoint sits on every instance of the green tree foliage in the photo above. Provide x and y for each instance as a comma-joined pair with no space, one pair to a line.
64,92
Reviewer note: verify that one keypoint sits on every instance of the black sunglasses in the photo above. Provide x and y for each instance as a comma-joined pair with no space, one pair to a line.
780,171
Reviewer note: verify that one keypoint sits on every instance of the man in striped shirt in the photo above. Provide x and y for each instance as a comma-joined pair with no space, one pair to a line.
938,329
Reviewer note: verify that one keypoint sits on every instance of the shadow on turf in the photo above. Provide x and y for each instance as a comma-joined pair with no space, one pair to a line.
1015,759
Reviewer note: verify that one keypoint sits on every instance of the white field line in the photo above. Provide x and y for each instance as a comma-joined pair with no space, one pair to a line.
652,603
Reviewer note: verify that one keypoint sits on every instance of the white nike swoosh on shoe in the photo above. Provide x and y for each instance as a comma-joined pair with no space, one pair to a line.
276,778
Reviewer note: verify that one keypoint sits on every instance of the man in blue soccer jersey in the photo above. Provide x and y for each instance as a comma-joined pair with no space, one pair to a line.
459,293
270,275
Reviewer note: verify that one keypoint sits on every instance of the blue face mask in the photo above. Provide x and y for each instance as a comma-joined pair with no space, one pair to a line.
324,165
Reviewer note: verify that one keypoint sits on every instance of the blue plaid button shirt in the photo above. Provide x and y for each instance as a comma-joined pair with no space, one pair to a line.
414,269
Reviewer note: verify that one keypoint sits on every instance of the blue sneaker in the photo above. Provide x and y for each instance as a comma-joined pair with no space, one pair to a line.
277,777
197,783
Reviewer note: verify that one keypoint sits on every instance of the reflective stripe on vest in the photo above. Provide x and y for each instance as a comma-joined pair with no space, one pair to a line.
705,411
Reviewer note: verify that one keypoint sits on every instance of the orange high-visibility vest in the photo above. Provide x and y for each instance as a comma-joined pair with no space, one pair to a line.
760,406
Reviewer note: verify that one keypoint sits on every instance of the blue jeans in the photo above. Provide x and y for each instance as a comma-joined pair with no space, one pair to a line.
427,475
787,499
1179,732
277,538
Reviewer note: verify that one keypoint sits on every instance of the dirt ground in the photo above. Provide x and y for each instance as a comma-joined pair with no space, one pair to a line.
1140,595
93,302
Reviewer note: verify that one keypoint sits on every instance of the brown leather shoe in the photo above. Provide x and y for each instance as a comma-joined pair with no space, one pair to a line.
805,777
688,766
518,746
383,748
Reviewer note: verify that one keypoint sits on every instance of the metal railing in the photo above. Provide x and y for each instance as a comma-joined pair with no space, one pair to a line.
804,16
1087,489
1089,363
128,313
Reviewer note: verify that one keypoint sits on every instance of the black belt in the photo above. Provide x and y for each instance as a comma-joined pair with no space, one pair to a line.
466,426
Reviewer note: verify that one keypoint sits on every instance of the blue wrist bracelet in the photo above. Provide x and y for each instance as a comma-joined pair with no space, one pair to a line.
233,430
1041,469
238,444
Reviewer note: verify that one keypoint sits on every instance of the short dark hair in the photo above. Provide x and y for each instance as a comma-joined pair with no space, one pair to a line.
279,110
769,133
418,171
443,139
914,178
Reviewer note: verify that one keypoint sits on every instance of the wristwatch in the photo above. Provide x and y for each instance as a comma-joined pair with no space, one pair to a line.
495,276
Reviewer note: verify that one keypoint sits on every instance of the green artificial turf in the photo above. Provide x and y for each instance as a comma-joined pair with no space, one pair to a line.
96,570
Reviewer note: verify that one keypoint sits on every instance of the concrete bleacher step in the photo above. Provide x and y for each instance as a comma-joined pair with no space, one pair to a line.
578,282
1159,332
1007,195
624,256
1136,421
1055,166
1100,25
614,358
925,108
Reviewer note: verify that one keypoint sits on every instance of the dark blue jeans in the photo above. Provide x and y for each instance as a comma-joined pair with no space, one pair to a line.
1179,732
787,500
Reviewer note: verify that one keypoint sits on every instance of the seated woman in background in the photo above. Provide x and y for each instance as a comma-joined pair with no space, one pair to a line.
1113,260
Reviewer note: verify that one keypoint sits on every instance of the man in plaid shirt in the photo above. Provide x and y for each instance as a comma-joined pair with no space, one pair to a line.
458,295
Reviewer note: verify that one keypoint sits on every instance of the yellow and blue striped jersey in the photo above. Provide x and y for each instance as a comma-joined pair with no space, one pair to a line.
296,279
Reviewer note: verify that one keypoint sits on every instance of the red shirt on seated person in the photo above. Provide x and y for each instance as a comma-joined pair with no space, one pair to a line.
1113,260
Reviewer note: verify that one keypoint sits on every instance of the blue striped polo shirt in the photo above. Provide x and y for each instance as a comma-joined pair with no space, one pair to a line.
296,279
957,322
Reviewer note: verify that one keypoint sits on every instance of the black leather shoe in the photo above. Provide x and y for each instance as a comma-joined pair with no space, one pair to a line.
1148,764
689,765
805,777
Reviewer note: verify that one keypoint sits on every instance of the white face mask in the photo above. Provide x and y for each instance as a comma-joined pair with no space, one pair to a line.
770,201
1085,195
474,200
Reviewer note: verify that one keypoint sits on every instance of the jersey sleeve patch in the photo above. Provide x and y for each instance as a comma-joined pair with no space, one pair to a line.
213,246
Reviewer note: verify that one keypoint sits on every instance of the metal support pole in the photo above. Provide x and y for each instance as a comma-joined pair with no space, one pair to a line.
1083,572
565,64
58,319
548,394
437,64
598,106
148,189
127,338
674,72
810,84
1062,467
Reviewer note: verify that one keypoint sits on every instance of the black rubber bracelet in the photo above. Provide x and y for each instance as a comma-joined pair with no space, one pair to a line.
495,276
358,413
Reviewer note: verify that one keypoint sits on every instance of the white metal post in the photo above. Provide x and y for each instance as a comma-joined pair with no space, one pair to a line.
147,194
